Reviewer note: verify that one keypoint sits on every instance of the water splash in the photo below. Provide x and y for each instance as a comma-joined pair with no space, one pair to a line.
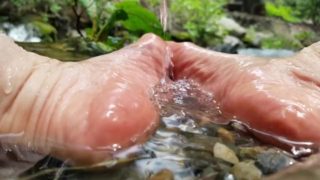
185,97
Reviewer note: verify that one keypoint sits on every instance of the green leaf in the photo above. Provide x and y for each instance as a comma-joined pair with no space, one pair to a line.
105,30
91,8
55,8
139,18
44,28
284,12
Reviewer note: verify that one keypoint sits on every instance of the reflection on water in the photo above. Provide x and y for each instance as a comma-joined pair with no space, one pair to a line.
187,145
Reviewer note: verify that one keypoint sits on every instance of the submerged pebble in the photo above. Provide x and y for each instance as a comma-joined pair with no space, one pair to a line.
225,153
164,174
250,152
226,135
246,170
270,162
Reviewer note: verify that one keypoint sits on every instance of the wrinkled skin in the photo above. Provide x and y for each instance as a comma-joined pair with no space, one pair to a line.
80,111
84,111
278,97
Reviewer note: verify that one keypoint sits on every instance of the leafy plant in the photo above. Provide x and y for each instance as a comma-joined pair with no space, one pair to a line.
128,14
282,11
295,10
278,42
308,9
199,19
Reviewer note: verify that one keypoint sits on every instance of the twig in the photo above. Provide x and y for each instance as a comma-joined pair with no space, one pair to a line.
78,17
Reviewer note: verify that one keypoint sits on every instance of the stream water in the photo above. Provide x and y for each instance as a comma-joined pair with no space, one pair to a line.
187,145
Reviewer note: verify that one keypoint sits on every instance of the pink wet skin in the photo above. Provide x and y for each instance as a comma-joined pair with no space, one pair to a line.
279,98
80,111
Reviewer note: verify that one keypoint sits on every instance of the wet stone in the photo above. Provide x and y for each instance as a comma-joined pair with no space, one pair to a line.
225,153
225,176
226,135
164,174
209,173
270,162
246,170
250,152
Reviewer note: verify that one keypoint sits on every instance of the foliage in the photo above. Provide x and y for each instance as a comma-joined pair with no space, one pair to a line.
282,11
305,37
44,6
295,10
127,16
278,42
308,9
133,17
117,22
199,18
47,31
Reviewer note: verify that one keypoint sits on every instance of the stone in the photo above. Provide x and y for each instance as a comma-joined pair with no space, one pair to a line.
226,135
270,162
231,25
164,174
223,152
246,170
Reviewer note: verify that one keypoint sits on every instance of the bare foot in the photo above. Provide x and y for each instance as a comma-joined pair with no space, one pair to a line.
275,97
80,111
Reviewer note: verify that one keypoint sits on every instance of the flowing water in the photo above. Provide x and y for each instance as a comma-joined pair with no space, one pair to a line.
187,145
164,14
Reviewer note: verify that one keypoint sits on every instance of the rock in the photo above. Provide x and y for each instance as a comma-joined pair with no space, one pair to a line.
231,40
270,162
226,135
308,169
231,25
164,174
246,170
23,33
223,152
250,152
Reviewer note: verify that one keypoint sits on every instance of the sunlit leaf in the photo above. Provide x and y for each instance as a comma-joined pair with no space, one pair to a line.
91,7
139,18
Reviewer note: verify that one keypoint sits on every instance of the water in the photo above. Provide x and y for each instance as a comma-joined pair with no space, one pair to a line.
182,146
8,87
21,32
164,14
266,52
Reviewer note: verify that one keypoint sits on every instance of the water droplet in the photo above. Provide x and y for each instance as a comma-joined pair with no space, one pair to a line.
116,147
8,88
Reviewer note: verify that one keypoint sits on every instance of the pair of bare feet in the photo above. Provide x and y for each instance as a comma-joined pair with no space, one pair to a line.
84,111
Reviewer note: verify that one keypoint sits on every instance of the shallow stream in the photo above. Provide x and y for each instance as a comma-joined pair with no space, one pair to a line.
187,145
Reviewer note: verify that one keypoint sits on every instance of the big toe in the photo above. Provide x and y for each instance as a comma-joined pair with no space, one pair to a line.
87,111
279,98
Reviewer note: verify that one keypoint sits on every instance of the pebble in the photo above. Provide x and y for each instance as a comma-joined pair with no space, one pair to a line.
164,174
270,162
223,152
246,170
250,152
226,135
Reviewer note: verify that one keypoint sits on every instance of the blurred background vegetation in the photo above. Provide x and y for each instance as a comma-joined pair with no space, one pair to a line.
95,27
